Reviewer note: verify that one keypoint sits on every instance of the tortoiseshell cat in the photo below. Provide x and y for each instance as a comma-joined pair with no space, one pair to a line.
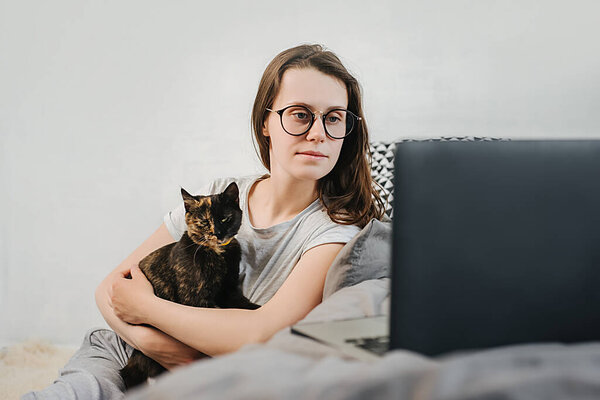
200,270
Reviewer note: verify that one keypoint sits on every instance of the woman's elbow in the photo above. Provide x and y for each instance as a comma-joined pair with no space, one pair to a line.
101,295
98,294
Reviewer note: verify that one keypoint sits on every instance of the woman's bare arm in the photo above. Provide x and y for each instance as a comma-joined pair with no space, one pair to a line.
218,331
152,342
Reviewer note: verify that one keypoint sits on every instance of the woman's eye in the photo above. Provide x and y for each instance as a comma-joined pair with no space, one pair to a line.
333,119
301,115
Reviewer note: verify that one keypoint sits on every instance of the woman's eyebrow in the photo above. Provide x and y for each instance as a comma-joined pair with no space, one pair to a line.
301,103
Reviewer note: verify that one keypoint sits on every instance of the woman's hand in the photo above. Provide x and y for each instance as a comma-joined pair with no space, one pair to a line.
167,351
131,298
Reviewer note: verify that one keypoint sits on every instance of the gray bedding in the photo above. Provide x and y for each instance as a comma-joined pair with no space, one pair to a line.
293,367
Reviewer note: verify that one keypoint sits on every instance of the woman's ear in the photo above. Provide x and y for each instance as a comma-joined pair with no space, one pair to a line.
265,131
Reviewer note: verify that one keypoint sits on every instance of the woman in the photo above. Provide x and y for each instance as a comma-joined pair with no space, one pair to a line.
311,135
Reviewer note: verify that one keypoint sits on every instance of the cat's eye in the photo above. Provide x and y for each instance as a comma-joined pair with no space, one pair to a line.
226,219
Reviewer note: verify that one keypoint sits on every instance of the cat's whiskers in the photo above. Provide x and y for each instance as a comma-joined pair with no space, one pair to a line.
194,259
187,247
201,239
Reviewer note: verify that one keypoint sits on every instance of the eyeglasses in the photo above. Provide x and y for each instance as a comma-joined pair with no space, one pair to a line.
296,120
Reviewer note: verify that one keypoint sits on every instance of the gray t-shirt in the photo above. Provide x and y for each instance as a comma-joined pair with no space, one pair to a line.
270,254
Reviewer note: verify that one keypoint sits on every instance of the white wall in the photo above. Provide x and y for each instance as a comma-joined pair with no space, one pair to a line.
107,107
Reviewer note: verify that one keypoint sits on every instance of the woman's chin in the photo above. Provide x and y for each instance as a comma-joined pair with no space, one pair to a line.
308,173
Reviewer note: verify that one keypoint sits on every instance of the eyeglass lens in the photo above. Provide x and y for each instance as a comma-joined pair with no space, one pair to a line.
297,120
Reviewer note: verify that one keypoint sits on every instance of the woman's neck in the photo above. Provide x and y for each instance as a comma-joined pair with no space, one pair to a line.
273,201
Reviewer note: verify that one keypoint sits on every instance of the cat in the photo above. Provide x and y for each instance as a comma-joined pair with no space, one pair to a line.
200,270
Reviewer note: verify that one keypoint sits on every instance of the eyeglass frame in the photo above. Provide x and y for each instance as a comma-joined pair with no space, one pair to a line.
313,118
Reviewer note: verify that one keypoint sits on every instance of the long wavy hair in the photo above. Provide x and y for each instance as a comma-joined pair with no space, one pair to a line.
348,191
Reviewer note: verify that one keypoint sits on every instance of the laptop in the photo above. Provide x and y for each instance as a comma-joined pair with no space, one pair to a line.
494,243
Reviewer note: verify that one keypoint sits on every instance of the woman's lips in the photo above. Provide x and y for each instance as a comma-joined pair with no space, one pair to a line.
313,154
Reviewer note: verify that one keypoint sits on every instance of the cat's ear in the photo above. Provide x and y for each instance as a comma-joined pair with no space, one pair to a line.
188,199
232,192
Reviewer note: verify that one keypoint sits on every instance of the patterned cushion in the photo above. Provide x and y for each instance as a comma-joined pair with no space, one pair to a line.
382,164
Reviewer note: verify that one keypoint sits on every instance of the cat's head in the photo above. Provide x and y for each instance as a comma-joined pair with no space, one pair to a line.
213,220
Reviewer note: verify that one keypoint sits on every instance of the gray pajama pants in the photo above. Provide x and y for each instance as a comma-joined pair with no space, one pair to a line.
93,371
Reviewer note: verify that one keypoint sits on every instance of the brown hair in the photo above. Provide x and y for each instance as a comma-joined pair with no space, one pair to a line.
347,191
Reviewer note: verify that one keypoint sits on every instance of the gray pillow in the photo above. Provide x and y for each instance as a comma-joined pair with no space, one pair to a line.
366,256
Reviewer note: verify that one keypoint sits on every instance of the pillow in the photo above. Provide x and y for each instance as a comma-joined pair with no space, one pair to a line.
366,256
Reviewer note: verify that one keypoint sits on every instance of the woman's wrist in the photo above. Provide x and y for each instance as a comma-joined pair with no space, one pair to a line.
150,309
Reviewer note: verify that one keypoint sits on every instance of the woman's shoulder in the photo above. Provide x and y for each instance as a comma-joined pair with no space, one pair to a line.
320,219
220,184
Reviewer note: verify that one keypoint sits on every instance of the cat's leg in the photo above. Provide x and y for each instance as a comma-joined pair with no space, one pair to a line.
231,296
238,300
139,368
93,371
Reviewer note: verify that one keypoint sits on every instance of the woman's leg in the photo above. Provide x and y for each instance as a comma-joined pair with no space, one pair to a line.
93,371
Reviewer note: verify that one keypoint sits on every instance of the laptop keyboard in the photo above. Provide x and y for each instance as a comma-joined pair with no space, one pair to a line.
378,344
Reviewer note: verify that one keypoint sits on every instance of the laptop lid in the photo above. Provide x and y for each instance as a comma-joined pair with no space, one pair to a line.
495,243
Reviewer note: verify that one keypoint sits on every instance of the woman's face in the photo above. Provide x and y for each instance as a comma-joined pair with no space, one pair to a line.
314,154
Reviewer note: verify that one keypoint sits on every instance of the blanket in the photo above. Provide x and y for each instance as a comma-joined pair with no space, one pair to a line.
294,367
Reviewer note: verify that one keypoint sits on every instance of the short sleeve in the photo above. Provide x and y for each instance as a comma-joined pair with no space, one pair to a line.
334,233
175,219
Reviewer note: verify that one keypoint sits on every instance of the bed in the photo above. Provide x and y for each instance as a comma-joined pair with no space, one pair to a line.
357,284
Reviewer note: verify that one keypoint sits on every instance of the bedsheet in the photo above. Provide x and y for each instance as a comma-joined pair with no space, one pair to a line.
293,367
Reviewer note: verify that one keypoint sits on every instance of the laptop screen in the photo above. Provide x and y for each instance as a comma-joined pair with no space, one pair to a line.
495,243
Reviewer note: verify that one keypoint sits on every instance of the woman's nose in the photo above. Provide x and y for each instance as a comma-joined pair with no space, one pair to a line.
317,130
